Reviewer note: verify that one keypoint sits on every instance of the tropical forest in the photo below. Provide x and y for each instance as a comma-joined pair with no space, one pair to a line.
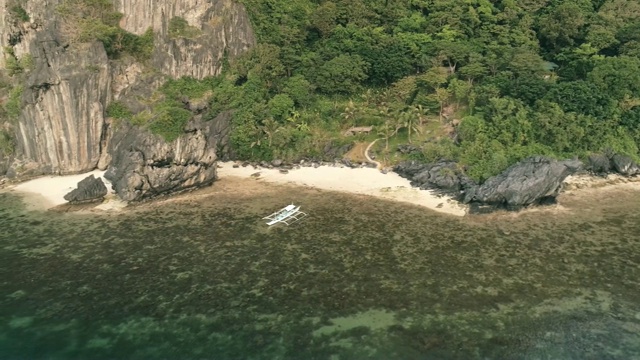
482,83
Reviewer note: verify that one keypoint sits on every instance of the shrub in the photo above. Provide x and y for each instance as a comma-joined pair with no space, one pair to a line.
179,27
188,87
89,20
7,143
11,61
19,13
13,106
169,121
118,110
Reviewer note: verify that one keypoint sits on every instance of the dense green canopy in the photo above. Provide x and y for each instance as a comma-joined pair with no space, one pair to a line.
551,77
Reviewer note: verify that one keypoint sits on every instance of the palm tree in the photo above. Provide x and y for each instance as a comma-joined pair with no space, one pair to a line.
409,122
270,127
386,130
442,95
421,114
350,113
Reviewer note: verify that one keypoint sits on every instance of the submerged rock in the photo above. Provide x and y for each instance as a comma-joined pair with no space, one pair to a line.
88,190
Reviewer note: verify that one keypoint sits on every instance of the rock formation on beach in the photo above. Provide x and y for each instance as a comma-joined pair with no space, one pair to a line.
528,182
89,189
144,165
63,87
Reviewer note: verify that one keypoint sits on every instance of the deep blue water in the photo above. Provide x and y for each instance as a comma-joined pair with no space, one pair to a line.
201,277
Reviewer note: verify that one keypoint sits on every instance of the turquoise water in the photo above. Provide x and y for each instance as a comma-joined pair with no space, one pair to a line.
201,277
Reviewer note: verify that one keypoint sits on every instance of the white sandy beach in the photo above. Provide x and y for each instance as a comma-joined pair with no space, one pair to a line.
365,181
49,191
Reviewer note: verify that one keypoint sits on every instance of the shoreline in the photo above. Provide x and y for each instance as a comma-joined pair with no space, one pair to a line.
48,192
361,181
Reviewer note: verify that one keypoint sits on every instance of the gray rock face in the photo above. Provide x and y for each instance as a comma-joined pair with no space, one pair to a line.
62,121
144,165
443,176
525,183
603,164
89,189
224,28
599,163
625,165
531,181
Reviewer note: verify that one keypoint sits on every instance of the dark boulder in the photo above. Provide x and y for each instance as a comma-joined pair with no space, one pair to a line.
408,149
443,176
536,180
624,165
335,151
531,181
89,189
599,163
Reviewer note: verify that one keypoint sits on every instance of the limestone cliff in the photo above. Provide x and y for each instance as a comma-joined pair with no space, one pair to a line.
220,27
65,86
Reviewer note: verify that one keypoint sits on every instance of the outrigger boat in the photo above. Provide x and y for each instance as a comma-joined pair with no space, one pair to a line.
287,215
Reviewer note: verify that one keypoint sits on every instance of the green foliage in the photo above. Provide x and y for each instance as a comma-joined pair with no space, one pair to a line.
89,20
188,87
12,64
118,110
179,27
342,75
7,143
555,78
13,106
280,106
19,13
169,120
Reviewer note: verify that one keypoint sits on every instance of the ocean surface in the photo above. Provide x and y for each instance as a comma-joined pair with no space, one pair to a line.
200,276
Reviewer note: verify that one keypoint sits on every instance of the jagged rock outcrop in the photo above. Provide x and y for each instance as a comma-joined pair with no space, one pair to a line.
603,164
223,26
625,165
89,189
145,165
528,182
443,176
531,181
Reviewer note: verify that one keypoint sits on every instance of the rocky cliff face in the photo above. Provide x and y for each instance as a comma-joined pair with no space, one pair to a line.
220,27
145,166
67,86
60,128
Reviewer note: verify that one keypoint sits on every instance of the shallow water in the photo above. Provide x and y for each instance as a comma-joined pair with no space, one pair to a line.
201,277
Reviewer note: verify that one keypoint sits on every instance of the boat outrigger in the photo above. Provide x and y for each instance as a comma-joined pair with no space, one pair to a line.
287,215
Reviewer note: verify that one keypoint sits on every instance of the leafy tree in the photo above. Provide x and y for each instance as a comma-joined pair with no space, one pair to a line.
299,89
617,76
280,106
342,75
582,97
